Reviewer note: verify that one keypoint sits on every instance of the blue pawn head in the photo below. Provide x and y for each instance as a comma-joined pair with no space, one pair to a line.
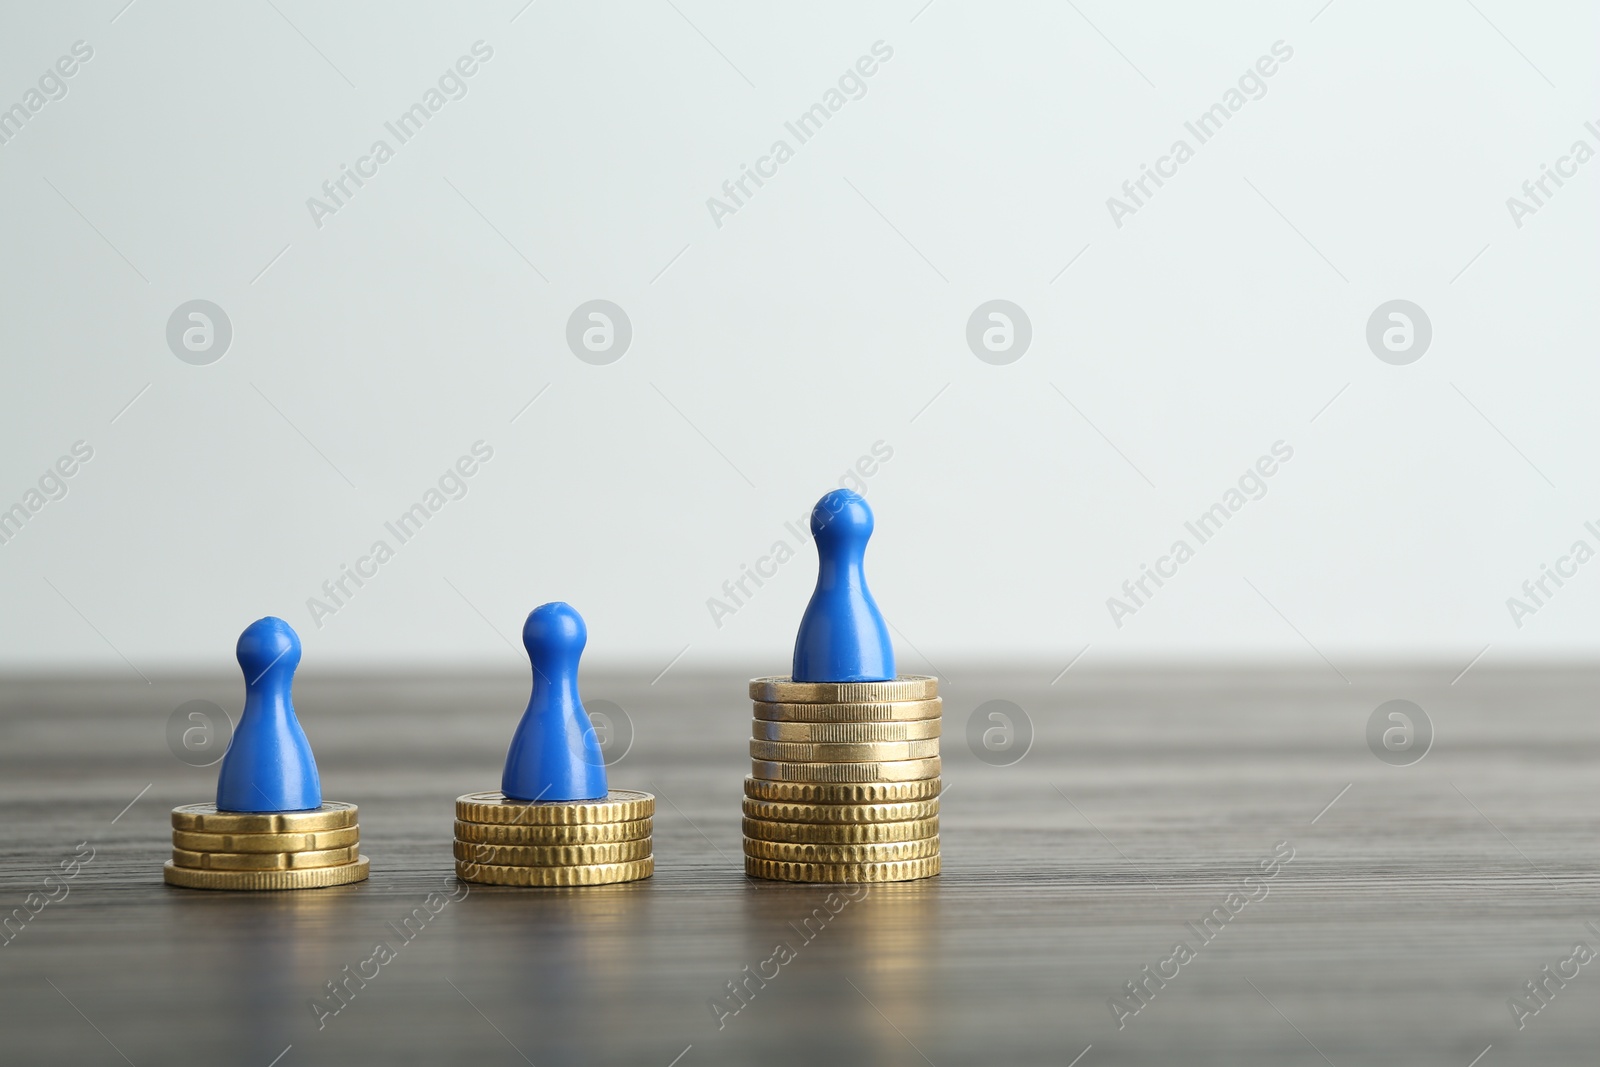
843,637
268,766
554,753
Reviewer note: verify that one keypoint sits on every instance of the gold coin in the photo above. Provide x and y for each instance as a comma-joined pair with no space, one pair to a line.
619,805
589,874
905,770
898,711
307,842
849,752
899,871
265,861
784,690
310,878
843,732
778,811
551,855
206,819
878,852
841,792
594,833
821,833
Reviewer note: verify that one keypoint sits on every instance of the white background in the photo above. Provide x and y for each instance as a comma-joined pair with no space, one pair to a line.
827,314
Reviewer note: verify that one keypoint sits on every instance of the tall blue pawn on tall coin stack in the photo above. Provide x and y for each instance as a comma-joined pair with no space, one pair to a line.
268,767
554,754
843,637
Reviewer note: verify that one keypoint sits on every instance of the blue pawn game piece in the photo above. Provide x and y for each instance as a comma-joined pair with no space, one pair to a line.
843,637
554,754
268,766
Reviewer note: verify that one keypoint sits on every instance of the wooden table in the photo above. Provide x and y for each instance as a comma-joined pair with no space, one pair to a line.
1418,901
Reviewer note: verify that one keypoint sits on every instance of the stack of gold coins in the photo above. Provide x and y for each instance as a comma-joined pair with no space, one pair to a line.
844,783
310,849
500,841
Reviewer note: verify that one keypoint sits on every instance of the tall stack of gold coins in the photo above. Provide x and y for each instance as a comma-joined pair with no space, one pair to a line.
310,849
500,841
844,783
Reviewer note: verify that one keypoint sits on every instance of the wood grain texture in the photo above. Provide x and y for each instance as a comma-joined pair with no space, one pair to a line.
1414,907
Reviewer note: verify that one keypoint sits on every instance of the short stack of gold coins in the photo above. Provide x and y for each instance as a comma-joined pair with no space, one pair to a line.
500,841
844,782
309,849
